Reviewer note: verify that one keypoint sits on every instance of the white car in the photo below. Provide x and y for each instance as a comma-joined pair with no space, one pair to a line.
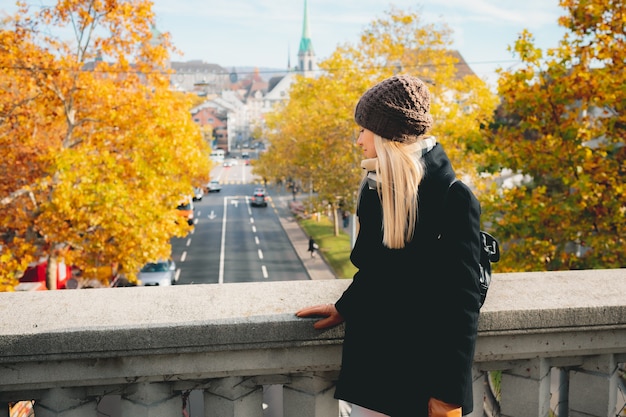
259,198
159,273
198,193
213,186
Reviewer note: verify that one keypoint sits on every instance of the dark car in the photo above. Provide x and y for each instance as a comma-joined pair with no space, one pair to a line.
259,198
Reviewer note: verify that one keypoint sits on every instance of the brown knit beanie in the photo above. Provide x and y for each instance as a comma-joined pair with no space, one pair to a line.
397,109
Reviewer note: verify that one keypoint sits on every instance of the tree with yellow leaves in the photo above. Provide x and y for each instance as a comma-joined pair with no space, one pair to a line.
95,150
312,135
560,134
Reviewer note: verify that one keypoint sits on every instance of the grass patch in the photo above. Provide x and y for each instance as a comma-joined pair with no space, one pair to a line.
335,249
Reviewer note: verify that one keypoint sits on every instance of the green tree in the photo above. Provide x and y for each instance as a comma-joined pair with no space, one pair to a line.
96,151
560,129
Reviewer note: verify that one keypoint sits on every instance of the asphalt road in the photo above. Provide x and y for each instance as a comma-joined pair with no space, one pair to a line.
232,241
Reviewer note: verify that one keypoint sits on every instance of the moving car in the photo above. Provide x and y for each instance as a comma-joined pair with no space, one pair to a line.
213,186
259,198
159,273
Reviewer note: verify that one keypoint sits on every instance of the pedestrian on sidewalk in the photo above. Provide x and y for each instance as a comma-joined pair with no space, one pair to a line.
345,216
412,307
312,246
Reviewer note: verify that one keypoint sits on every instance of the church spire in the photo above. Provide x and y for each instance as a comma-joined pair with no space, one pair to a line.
288,58
306,55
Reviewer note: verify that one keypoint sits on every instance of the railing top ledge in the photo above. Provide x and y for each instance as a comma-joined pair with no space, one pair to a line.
257,315
555,299
109,322
131,307
512,293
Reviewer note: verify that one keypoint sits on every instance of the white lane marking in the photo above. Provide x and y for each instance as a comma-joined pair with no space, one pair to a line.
220,279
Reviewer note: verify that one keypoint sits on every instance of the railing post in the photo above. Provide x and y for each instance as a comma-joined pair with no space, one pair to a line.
311,395
561,375
151,400
232,397
65,402
594,386
525,390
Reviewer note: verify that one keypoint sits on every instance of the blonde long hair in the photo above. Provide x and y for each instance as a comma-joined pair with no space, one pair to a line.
399,172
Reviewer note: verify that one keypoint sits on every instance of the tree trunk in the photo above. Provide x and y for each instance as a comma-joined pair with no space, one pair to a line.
335,219
51,273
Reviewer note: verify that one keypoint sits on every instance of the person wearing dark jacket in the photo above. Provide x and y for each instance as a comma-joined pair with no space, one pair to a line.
312,246
411,310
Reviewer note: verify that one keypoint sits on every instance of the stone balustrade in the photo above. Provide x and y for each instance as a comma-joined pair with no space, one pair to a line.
559,339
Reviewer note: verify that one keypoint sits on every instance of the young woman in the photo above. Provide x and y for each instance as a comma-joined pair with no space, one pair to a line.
411,311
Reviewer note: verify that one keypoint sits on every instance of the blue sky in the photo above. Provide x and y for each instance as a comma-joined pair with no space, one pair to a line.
266,33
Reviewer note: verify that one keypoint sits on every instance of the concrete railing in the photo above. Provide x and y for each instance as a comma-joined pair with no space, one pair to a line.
559,339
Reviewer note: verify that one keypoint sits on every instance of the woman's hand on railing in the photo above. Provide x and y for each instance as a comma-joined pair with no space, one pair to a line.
328,311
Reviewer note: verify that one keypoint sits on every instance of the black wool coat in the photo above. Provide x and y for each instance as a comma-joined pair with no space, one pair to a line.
411,314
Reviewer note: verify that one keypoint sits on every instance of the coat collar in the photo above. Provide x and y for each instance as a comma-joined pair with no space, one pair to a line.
371,164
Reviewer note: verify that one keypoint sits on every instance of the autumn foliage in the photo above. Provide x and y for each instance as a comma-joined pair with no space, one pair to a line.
95,150
547,162
313,134
560,134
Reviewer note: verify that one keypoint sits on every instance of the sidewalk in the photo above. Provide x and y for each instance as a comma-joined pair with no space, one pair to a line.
317,268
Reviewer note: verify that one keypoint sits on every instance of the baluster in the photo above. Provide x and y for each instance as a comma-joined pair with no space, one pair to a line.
66,402
233,397
526,389
594,387
311,395
151,400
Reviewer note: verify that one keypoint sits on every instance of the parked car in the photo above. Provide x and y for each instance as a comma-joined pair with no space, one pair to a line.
185,209
159,273
36,273
213,186
198,193
259,198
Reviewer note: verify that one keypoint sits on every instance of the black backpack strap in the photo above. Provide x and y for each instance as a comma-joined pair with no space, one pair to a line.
490,253
490,246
